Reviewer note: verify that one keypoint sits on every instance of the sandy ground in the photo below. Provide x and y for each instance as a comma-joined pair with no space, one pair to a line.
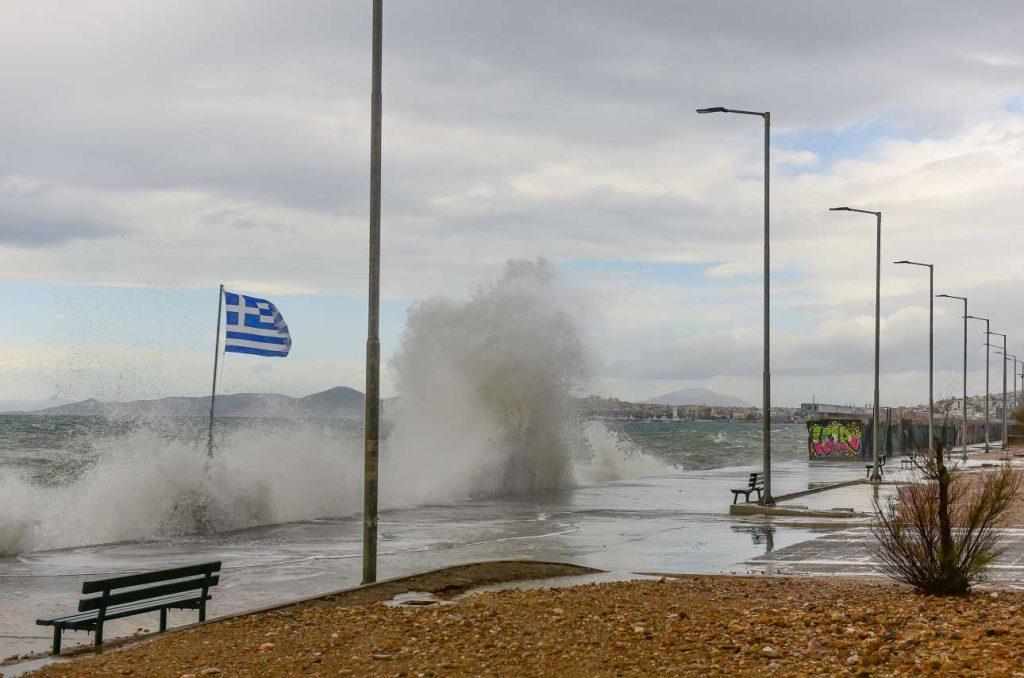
691,626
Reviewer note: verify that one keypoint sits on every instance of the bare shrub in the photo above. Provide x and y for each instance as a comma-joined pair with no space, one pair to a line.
941,534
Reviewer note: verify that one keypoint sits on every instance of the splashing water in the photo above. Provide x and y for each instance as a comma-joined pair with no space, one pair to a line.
486,409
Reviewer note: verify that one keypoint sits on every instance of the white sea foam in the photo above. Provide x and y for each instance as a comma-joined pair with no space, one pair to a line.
486,408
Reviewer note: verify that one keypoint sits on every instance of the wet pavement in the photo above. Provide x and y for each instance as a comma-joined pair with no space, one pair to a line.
846,553
666,524
676,523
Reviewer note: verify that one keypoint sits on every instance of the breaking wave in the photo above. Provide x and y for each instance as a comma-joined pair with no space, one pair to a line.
487,408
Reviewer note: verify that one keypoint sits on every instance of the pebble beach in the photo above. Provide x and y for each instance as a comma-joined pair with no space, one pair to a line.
687,626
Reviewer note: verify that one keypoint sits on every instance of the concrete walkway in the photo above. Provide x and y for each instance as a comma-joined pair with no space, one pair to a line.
847,552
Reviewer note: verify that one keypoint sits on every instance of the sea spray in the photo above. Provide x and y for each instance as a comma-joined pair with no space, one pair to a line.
487,403
486,390
487,408
144,485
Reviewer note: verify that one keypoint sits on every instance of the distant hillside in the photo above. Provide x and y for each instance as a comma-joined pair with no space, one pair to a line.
339,401
697,396
19,406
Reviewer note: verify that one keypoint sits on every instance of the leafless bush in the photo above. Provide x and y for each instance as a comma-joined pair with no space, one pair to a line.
941,534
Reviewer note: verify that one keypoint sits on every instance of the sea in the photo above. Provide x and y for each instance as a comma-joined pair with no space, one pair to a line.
279,503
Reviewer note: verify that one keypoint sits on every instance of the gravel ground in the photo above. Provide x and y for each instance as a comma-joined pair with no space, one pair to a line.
691,626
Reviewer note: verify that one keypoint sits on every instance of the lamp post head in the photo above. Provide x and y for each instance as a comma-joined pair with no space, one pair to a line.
839,209
716,109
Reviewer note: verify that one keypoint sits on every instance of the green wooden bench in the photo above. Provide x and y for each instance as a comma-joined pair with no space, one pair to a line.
178,588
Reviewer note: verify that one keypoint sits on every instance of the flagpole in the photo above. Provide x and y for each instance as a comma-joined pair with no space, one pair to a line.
371,421
216,356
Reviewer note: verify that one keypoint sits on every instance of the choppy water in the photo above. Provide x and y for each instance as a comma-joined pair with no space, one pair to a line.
696,445
68,481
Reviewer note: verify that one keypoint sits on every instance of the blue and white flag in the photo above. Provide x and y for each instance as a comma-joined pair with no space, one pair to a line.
255,326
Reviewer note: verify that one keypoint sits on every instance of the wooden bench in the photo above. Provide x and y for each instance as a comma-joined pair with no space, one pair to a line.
178,588
881,466
909,462
754,484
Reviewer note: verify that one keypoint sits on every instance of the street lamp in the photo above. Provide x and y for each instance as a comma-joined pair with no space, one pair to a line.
876,475
1000,334
974,317
766,443
931,344
1013,377
963,299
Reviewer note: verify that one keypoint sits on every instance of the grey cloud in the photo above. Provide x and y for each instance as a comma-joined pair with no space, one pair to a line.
37,217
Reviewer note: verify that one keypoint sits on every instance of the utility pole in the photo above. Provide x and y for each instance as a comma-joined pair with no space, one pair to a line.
931,347
1000,334
987,388
372,417
876,472
767,499
963,299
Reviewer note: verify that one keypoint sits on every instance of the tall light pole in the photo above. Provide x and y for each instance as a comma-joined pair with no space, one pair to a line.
963,299
987,353
1013,377
371,423
1000,334
931,345
876,474
766,441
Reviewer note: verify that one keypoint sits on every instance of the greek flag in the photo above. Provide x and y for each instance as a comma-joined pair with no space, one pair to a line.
255,326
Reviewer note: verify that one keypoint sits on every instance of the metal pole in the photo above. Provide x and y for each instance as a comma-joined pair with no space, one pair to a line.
767,499
876,475
931,356
216,356
372,416
1013,378
988,347
988,353
931,347
965,380
1005,438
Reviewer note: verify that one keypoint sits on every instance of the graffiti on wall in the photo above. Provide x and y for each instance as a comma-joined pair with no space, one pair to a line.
836,439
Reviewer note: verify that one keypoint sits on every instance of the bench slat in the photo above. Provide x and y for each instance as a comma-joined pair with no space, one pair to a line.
147,593
125,581
88,619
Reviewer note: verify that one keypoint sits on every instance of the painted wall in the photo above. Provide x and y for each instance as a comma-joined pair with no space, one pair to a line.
851,439
835,439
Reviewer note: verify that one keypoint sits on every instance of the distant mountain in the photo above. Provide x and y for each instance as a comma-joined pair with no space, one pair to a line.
21,406
697,396
339,401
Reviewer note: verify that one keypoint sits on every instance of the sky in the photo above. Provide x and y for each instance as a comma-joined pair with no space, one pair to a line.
153,150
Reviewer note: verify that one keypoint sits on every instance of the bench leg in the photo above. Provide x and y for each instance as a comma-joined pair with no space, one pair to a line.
99,635
759,496
735,497
56,639
163,619
202,611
